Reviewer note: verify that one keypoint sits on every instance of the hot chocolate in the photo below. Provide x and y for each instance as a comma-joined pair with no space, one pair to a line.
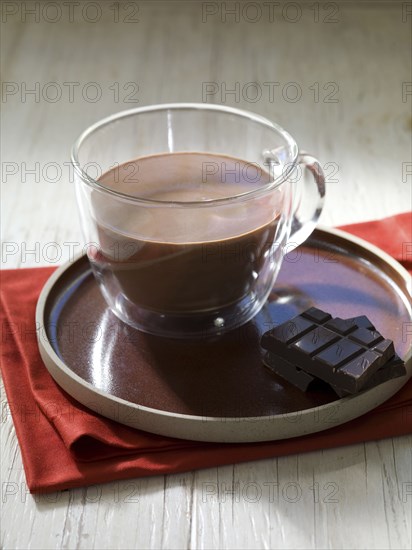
173,256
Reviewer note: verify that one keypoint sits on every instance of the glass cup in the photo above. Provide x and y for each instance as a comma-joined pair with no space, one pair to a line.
188,211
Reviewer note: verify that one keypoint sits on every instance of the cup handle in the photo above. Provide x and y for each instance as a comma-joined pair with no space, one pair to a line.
309,197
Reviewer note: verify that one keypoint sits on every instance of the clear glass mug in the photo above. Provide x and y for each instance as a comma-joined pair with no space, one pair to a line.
188,210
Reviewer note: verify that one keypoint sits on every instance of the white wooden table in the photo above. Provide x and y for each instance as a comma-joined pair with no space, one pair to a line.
337,76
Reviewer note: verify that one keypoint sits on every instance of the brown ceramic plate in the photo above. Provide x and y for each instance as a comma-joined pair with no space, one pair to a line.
219,390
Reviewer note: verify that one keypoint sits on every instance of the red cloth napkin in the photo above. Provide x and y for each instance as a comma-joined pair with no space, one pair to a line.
65,445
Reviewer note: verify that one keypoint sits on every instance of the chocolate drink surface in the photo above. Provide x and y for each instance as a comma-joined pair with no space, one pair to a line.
174,255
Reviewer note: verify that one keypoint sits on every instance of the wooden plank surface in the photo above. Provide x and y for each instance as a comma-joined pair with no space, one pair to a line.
351,69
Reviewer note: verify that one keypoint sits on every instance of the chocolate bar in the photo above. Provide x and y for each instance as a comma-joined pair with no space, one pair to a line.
302,380
394,368
288,371
346,353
